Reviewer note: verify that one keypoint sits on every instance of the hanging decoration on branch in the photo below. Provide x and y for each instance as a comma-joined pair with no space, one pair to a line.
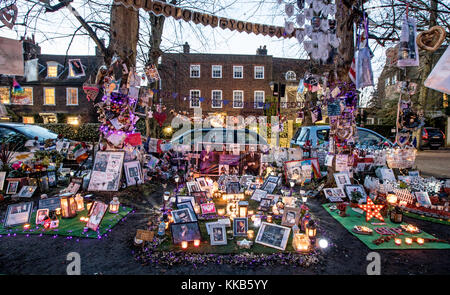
408,52
8,15
363,57
432,39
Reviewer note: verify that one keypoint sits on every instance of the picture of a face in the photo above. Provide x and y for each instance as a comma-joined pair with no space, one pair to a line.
290,217
217,234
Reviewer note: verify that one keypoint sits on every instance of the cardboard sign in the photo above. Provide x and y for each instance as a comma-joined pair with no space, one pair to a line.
145,235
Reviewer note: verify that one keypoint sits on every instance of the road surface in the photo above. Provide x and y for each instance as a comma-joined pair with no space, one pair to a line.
434,163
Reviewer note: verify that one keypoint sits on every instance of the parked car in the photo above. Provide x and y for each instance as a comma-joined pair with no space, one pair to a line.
29,131
432,138
319,135
219,136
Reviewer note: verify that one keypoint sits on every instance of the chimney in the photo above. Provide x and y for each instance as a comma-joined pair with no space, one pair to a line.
186,48
261,50
31,49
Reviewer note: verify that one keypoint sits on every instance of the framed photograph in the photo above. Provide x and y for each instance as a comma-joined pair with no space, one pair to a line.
240,226
269,187
273,178
50,204
356,188
188,205
293,170
233,188
328,192
201,181
188,232
183,199
273,198
342,179
107,171
265,203
192,187
13,187
18,214
72,188
258,194
200,197
273,235
218,234
97,213
208,208
133,173
41,215
387,174
250,163
422,198
27,191
291,216
52,180
76,68
339,192
182,215
2,179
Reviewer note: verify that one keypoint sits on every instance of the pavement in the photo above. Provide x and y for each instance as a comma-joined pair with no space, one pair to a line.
434,163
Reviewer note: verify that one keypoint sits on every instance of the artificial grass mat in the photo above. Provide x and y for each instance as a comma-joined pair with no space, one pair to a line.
427,218
72,227
354,218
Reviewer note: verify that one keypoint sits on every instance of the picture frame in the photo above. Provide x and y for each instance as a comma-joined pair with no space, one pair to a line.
52,179
12,187
201,181
208,208
43,183
258,194
17,214
188,205
192,187
274,198
76,68
273,178
182,215
40,216
72,188
96,215
342,179
293,170
2,179
200,197
183,199
265,204
269,187
218,234
240,226
188,232
133,171
291,216
358,188
50,203
423,198
27,191
107,171
328,192
233,188
273,235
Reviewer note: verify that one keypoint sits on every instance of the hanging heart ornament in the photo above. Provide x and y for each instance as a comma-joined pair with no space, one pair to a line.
8,15
403,138
432,39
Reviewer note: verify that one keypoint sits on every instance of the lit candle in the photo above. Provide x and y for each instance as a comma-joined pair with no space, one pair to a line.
269,218
197,209
58,211
26,226
420,241
408,241
251,234
251,212
196,243
398,241
221,212
184,244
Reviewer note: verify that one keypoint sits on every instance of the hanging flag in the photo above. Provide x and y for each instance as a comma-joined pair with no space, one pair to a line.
352,71
80,152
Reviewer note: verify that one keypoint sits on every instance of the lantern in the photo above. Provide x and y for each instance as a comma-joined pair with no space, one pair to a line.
68,207
396,215
305,221
196,243
301,243
243,208
80,202
311,229
184,244
114,205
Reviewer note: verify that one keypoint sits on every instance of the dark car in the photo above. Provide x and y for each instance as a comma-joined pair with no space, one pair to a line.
432,138
319,135
29,131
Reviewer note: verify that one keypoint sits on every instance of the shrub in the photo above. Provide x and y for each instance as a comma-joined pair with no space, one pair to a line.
84,132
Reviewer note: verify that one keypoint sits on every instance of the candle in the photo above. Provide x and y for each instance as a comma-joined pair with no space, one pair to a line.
58,211
26,226
398,241
184,244
420,241
221,212
408,241
251,234
196,243
269,218
251,212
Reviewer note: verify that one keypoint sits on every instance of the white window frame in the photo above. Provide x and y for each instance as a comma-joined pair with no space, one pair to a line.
263,101
263,69
67,96
212,71
242,105
54,89
199,71
212,99
51,64
190,98
242,72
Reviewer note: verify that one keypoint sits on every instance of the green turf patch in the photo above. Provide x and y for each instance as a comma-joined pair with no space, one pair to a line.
354,218
426,218
72,227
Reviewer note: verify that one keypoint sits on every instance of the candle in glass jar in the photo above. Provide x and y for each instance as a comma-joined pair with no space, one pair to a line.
420,241
408,241
221,212
184,244
269,218
398,241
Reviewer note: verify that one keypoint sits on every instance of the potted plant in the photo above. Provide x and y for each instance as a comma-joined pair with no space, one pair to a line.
355,197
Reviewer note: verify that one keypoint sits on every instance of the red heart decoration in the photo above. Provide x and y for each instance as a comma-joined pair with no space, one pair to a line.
7,18
160,118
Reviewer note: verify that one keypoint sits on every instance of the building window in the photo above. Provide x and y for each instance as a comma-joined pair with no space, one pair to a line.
216,98
238,72
259,72
28,120
73,120
370,121
49,118
49,96
216,71
291,76
72,96
194,99
238,99
52,70
195,71
259,99
5,95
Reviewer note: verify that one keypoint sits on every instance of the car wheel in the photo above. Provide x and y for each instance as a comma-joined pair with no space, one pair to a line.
434,147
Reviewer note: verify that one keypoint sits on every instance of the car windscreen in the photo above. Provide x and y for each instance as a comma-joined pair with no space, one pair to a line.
434,132
41,133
